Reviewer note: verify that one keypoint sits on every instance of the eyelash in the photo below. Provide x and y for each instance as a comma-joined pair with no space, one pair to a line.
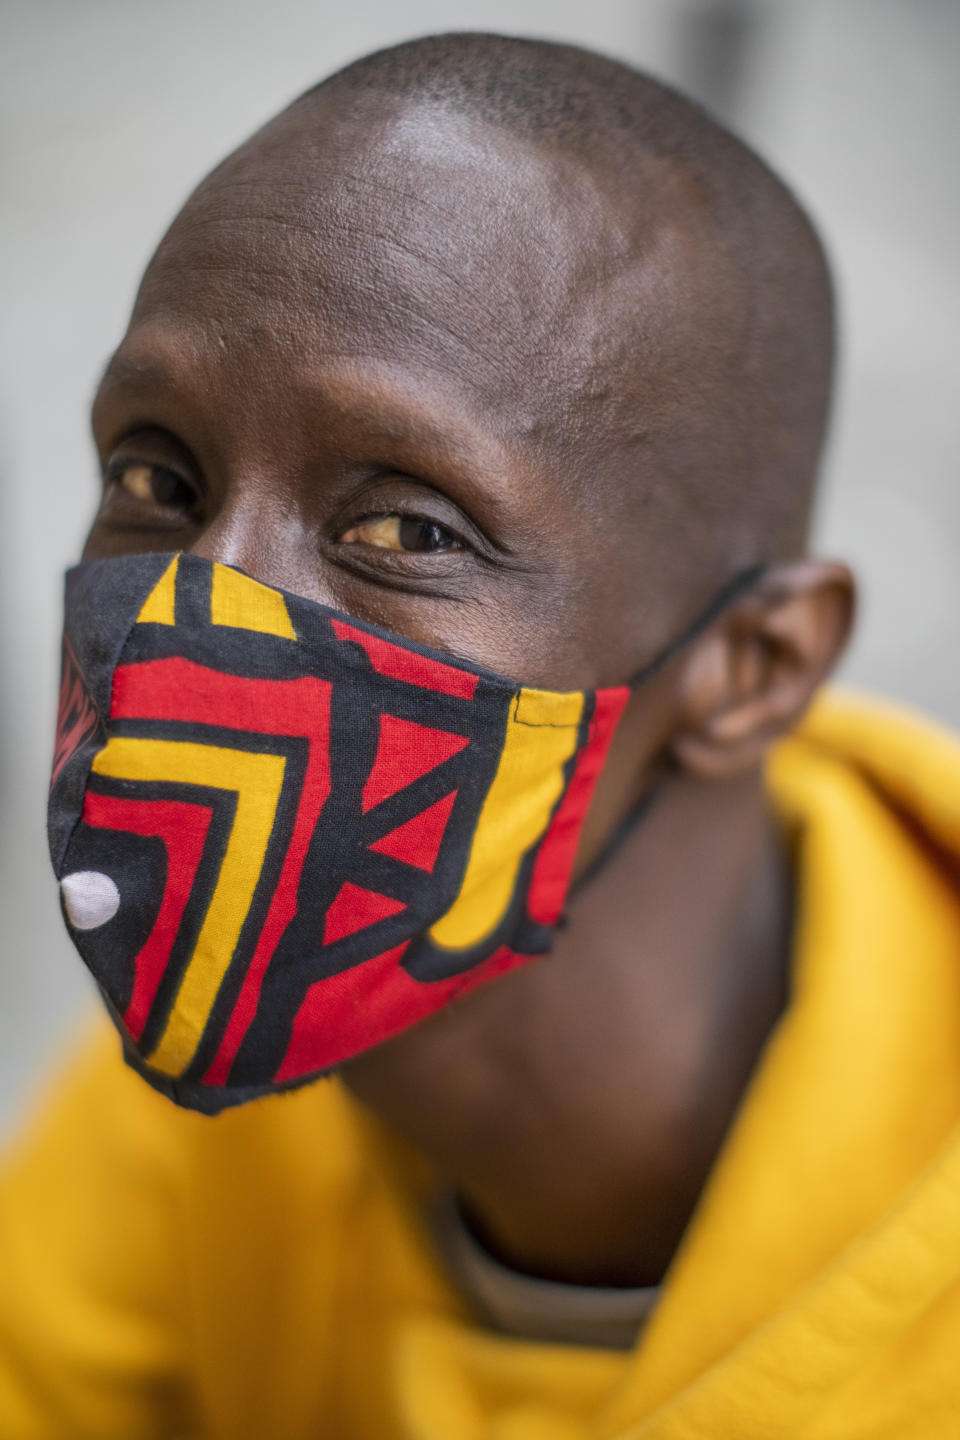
184,498
117,469
406,517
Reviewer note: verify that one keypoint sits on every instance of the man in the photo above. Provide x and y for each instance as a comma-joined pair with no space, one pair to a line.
510,356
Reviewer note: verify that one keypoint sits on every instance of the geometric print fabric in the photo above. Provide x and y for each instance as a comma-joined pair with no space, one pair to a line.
319,833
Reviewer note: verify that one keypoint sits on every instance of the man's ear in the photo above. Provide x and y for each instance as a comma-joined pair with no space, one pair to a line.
753,674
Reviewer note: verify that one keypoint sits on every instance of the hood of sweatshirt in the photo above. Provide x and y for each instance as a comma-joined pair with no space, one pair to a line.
828,1237
274,1265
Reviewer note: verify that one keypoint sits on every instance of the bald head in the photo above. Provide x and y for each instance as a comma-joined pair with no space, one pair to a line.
699,321
514,290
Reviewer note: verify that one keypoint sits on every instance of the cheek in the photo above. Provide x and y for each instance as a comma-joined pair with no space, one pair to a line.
568,638
538,635
104,543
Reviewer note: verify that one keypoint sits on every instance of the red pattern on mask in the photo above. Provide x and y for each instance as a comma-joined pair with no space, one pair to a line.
183,829
178,689
554,862
417,841
338,1015
407,665
405,751
77,717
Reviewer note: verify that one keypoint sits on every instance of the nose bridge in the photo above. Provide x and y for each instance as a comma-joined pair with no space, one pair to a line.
256,529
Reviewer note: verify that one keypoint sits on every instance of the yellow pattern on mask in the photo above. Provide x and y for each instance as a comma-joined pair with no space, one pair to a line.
257,781
245,604
541,737
158,608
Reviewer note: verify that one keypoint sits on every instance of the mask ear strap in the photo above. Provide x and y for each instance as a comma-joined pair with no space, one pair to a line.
741,582
621,833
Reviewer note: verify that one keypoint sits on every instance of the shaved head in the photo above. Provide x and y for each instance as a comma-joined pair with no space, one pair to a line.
548,287
705,268
691,304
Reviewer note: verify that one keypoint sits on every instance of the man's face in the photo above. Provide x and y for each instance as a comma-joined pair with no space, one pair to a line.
374,366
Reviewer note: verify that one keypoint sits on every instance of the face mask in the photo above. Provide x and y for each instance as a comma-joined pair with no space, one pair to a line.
283,836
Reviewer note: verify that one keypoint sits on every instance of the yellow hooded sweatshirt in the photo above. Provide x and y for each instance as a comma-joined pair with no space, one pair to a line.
268,1275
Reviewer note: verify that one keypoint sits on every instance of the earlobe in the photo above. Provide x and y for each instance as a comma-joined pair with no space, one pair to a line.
751,678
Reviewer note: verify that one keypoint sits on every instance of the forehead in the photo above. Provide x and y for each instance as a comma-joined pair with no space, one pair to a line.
374,233
408,236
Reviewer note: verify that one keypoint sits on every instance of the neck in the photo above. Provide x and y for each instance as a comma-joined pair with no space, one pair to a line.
577,1105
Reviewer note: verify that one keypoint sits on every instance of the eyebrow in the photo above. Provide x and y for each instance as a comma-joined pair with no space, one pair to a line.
456,451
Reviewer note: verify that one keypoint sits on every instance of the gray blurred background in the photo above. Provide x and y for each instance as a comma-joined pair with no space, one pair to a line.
111,111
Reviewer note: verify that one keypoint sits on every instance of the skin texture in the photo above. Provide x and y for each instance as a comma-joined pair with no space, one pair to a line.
397,307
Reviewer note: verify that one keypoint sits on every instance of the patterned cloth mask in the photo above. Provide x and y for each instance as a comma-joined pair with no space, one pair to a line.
283,836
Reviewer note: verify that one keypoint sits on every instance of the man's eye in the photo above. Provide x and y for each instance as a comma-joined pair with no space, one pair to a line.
402,532
152,485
